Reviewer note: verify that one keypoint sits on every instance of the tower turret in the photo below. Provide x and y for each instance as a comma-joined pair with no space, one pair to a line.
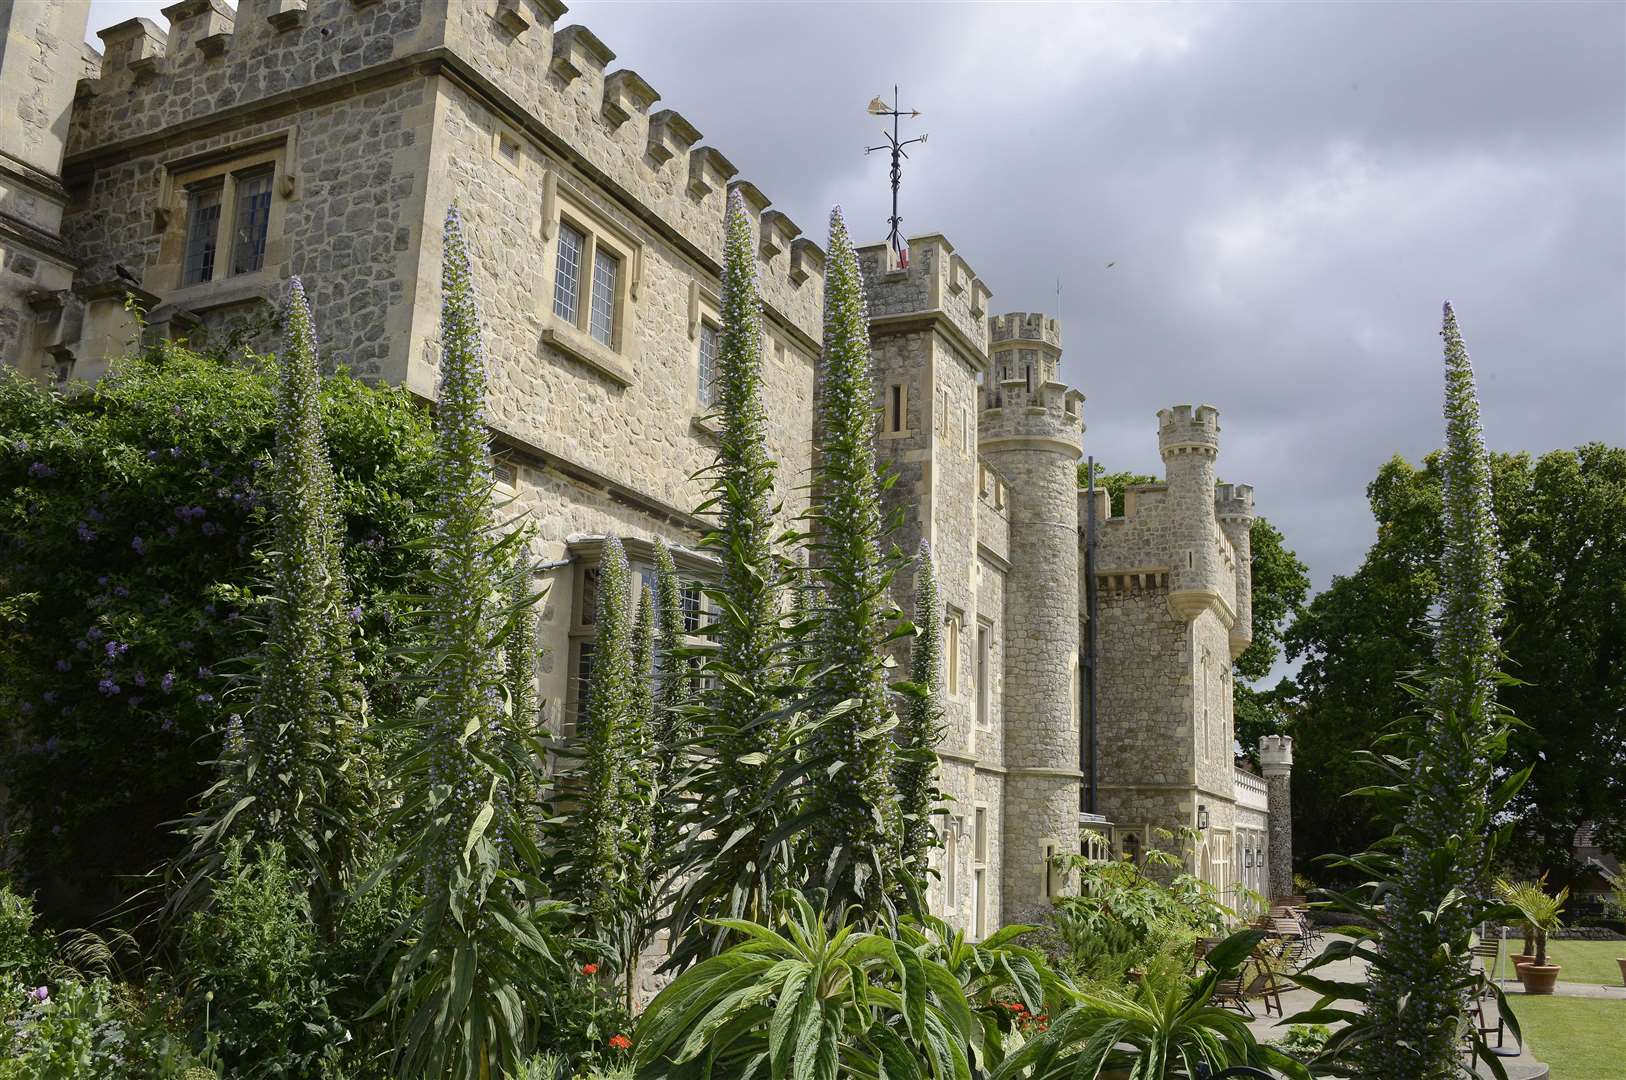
1031,428
1276,762
1188,439
1233,507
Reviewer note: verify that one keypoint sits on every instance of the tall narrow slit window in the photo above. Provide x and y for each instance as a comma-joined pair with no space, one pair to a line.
984,674
567,272
202,233
951,651
251,220
606,269
708,364
897,400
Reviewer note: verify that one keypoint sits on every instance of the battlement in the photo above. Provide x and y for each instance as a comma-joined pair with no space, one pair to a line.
554,87
1182,430
936,280
1276,754
1023,326
1234,501
1025,389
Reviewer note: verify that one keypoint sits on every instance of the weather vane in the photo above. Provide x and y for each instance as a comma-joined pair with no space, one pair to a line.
877,107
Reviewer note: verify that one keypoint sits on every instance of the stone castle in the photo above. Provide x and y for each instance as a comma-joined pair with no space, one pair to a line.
1087,675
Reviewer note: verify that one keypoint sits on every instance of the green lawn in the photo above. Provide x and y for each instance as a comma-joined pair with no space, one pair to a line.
1579,1038
1582,961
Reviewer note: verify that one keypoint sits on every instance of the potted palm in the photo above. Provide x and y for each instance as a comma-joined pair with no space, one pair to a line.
1540,913
1507,891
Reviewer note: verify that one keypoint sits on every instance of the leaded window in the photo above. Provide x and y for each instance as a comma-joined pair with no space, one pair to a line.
708,364
251,221
606,269
202,229
567,272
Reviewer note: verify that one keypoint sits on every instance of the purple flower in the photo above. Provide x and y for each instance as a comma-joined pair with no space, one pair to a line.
116,649
107,686
41,470
81,644
86,533
204,699
120,591
138,545
63,665
167,683
205,673
355,613
168,724
152,455
210,528
175,451
176,410
94,633
40,994
49,697
139,678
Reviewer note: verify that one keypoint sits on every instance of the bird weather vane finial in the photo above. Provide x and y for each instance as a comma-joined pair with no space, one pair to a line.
877,107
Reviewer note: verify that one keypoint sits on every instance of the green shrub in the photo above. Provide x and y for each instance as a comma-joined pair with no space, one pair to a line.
90,1030
23,953
132,514
254,968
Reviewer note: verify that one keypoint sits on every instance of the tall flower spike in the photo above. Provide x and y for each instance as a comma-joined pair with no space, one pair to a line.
1470,571
308,681
920,728
743,495
611,697
856,838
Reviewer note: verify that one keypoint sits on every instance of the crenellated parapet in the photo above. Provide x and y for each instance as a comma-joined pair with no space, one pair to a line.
1186,430
937,284
554,85
1025,398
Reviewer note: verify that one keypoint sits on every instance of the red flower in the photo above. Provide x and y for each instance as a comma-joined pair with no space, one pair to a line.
620,1042
589,969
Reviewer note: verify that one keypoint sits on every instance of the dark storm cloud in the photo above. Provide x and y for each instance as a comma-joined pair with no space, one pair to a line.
1287,191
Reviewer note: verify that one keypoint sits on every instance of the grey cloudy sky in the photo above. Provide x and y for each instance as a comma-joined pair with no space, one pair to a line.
1287,191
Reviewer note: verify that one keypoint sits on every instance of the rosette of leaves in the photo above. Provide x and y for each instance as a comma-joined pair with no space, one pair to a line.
816,997
1158,1033
481,944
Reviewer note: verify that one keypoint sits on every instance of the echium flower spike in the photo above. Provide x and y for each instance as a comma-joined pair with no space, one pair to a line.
920,727
856,836
466,696
637,746
519,664
743,487
602,871
1470,571
669,731
1417,999
308,681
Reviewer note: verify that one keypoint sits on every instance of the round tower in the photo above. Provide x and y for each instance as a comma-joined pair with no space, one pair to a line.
1031,428
1188,439
1276,762
1233,506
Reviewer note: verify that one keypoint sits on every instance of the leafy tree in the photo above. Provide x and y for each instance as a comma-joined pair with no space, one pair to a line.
1114,482
1560,518
855,826
479,944
118,632
921,726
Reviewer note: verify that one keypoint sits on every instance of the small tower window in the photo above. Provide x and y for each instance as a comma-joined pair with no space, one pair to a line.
952,651
897,408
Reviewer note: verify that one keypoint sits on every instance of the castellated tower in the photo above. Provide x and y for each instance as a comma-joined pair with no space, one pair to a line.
1233,507
1031,429
1189,443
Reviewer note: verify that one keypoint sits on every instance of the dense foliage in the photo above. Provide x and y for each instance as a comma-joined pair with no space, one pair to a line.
133,518
1561,529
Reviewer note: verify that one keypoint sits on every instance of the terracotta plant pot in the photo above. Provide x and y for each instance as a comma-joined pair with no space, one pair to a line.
1539,978
1518,960
1621,960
